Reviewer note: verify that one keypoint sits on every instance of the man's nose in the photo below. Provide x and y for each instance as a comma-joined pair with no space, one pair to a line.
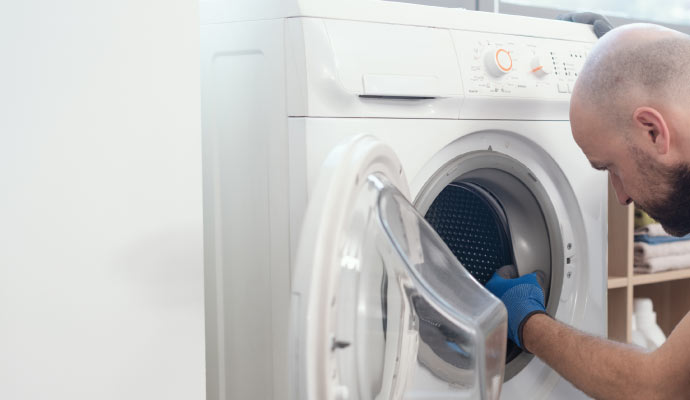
622,196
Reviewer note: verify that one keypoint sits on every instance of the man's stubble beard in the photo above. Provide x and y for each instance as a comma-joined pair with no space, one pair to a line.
671,208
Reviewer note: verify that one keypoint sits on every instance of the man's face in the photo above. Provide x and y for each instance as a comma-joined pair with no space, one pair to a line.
661,191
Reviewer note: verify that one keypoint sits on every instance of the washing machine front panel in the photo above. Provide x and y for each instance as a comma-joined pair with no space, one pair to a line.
381,307
549,157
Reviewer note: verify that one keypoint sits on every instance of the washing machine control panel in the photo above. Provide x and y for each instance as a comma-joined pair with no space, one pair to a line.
518,66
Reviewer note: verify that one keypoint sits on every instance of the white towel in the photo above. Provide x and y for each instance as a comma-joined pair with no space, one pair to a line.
644,251
651,230
659,264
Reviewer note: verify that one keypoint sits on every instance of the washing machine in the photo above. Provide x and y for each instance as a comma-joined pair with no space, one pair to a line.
368,165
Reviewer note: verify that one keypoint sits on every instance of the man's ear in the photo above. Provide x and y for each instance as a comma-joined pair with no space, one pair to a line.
650,121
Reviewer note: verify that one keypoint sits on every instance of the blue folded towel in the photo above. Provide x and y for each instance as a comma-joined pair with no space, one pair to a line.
660,239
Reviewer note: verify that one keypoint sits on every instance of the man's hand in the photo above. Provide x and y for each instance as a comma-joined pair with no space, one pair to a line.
523,297
599,22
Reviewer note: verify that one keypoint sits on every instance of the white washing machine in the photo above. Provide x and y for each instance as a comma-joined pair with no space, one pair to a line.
322,121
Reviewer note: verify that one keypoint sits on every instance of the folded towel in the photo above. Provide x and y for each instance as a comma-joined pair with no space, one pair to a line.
642,219
659,264
654,229
654,240
644,251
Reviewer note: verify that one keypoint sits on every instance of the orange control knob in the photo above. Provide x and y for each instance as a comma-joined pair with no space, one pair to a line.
504,60
498,61
541,65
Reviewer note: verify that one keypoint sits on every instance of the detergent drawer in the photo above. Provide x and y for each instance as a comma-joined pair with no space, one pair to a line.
340,68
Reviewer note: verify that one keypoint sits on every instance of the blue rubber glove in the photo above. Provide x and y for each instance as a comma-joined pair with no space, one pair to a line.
523,297
599,23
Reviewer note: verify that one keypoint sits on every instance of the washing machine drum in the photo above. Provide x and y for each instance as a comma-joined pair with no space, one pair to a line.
474,227
473,223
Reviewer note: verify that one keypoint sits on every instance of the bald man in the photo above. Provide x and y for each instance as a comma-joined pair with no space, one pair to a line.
630,115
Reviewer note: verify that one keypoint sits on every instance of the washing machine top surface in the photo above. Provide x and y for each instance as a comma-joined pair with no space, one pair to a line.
391,12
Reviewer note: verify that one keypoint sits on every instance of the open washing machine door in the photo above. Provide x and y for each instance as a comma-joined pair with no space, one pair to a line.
381,309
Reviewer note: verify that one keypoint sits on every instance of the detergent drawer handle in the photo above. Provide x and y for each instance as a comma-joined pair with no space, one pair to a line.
380,96
400,86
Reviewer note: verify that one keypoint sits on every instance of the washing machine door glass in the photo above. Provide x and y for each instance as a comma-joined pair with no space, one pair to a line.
381,307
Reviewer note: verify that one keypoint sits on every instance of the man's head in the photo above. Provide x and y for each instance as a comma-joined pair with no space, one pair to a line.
630,115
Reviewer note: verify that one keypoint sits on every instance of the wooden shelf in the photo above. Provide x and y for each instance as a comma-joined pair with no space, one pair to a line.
669,291
645,279
616,282
620,267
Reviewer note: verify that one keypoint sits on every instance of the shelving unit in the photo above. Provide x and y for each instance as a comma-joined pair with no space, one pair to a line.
670,291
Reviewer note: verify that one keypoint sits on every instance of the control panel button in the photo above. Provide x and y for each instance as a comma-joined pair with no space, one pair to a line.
498,61
562,87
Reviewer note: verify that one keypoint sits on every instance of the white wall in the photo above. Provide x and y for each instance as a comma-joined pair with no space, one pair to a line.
101,271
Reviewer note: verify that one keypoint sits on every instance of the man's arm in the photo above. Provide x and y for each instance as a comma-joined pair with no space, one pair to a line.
608,370
601,368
